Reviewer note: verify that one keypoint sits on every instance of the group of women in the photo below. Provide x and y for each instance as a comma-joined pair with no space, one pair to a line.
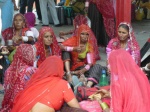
34,81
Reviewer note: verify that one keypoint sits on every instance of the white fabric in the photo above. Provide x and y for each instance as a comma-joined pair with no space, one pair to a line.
51,5
35,32
25,38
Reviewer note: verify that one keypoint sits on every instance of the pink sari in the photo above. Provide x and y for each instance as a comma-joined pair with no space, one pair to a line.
15,76
130,88
132,45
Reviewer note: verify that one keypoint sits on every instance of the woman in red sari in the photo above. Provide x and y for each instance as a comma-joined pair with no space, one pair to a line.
84,53
17,73
129,88
46,91
46,45
19,32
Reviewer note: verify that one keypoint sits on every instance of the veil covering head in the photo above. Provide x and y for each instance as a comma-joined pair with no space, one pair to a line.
49,73
40,46
30,18
75,41
130,90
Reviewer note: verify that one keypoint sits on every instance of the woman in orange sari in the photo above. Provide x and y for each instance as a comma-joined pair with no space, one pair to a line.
46,91
84,53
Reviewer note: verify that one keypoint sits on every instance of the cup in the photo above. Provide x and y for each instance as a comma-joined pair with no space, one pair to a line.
9,42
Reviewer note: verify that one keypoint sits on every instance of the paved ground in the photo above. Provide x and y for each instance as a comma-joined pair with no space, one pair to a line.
141,31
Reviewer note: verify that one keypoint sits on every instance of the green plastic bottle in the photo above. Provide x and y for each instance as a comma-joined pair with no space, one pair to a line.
103,79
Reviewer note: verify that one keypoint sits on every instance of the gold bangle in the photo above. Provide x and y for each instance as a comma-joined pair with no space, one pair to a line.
104,105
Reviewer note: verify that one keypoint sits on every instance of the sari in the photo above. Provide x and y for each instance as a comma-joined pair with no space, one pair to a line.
75,41
44,83
130,88
132,45
40,47
15,76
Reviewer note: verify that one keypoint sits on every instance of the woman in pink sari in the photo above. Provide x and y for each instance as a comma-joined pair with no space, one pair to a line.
129,88
125,40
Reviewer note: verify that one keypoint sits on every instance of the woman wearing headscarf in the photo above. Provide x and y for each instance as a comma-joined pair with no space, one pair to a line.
17,74
129,88
19,32
84,53
125,40
46,91
46,45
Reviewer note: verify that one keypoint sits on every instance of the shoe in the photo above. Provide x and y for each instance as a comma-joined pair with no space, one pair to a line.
58,25
44,25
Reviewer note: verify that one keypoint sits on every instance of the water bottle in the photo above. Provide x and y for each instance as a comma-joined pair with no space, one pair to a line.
103,79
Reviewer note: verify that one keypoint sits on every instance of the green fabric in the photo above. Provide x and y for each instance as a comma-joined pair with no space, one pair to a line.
78,7
11,56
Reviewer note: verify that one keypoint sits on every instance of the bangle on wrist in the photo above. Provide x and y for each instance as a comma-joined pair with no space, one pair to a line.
87,67
68,73
104,105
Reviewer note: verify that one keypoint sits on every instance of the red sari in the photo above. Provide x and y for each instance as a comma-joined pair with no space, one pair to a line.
42,87
15,81
130,88
75,41
40,47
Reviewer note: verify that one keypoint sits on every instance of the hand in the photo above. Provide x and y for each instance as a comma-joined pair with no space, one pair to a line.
77,49
16,8
61,33
105,93
17,39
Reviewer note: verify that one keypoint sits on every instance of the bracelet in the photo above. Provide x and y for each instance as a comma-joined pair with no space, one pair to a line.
69,48
87,67
104,105
68,73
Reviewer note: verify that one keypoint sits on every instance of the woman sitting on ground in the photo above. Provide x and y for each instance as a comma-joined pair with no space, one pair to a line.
46,91
28,55
129,88
17,34
84,53
125,40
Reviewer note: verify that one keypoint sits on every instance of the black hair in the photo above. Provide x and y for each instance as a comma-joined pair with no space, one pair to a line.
124,26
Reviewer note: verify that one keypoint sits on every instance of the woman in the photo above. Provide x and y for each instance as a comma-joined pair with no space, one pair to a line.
84,52
125,40
40,93
19,32
129,88
17,73
45,47
31,19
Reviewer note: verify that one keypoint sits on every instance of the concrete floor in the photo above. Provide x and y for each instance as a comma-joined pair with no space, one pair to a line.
141,29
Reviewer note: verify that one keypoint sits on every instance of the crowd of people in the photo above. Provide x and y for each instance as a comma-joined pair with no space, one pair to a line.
42,75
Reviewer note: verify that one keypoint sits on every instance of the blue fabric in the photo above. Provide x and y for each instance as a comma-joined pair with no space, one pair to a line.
7,14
